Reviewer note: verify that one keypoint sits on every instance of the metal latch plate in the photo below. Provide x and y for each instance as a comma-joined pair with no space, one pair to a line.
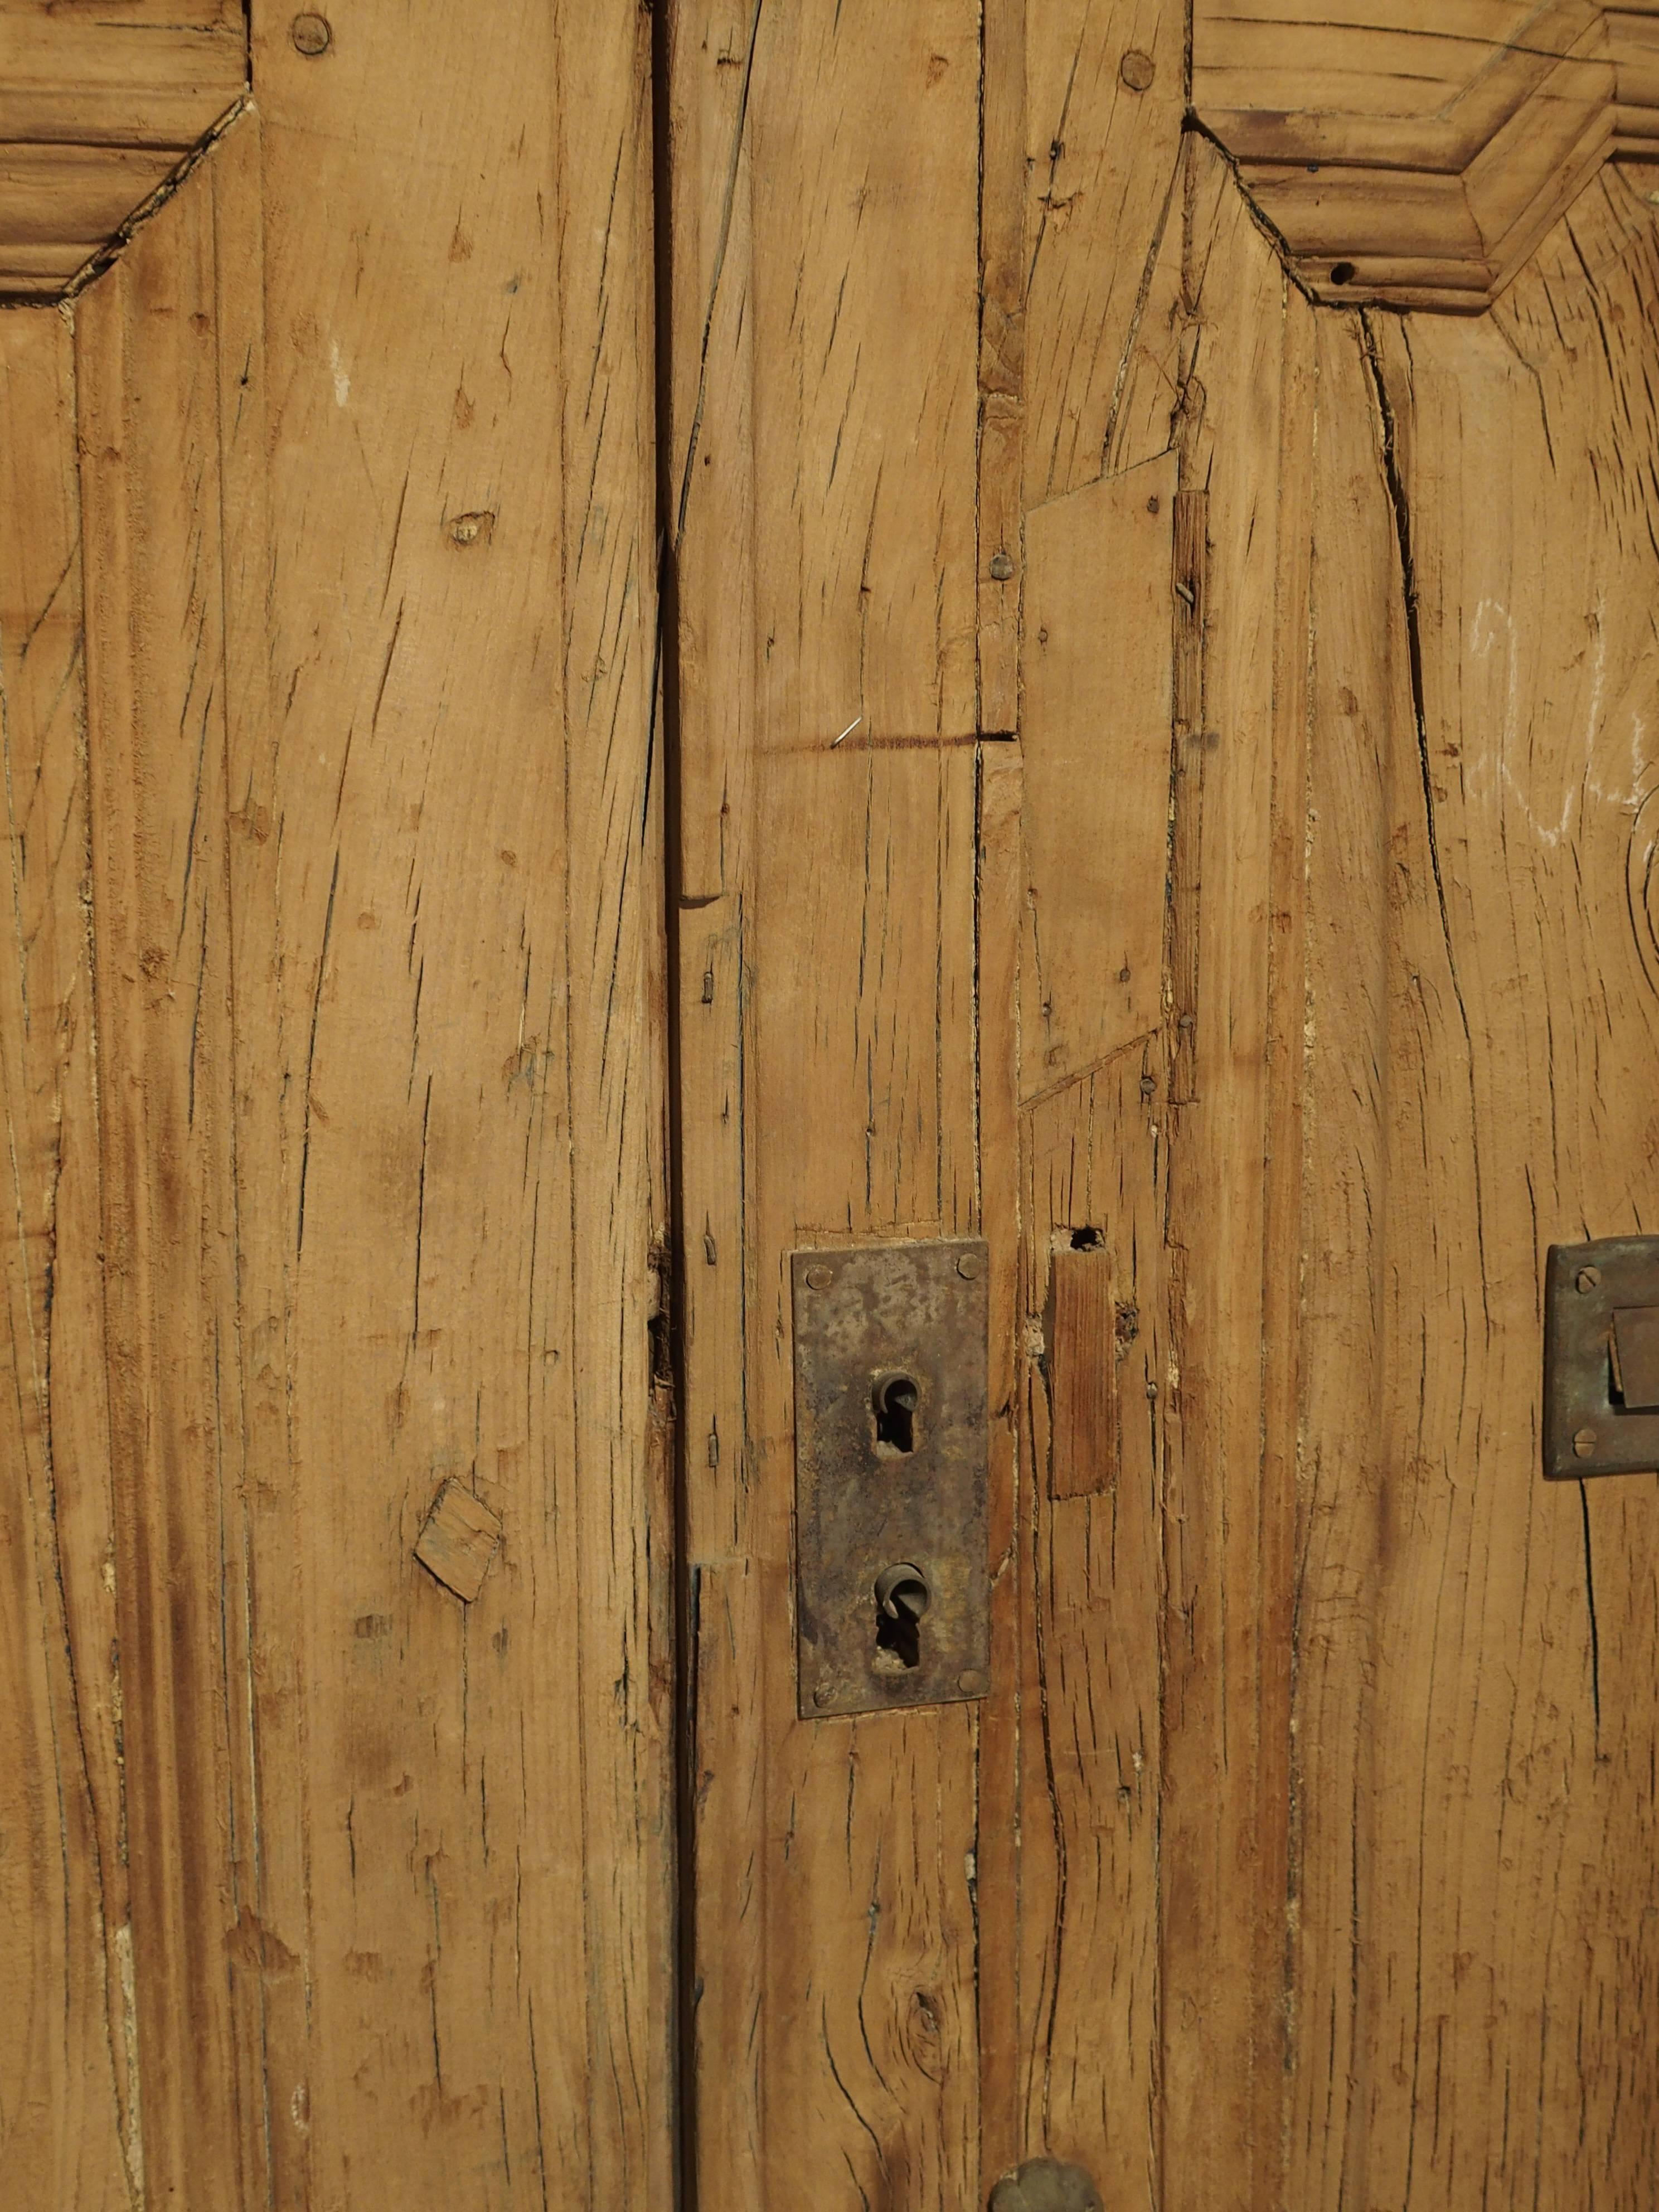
890,1471
1601,1323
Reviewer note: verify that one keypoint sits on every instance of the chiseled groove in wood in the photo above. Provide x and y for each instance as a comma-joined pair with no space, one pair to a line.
70,2098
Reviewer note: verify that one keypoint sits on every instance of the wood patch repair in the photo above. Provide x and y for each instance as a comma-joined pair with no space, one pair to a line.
458,1542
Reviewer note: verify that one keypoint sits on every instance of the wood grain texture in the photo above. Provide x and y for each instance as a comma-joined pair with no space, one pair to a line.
823,468
376,1173
69,2111
1244,437
1477,1681
97,108
1417,154
1096,750
1069,1762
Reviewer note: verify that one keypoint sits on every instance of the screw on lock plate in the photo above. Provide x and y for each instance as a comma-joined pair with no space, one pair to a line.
892,1591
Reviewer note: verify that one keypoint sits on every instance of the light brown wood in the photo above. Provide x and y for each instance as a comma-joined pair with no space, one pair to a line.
822,440
1080,1356
68,2090
360,839
1477,1681
1097,691
1416,154
458,1541
1160,774
98,109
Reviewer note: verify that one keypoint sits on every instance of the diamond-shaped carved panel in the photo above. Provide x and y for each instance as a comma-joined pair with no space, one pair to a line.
1416,151
99,102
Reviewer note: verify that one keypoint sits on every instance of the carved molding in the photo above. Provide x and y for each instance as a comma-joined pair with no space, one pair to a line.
99,102
1414,152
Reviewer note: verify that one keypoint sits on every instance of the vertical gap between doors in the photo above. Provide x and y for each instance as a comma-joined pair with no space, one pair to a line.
666,708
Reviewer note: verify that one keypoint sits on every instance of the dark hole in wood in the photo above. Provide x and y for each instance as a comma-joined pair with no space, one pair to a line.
1342,273
1086,1240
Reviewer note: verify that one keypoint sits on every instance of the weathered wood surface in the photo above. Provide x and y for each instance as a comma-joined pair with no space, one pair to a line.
823,499
1475,1968
362,848
98,106
69,2118
1055,590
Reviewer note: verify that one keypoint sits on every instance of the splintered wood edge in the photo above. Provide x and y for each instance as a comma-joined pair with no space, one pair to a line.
1370,208
458,1541
98,124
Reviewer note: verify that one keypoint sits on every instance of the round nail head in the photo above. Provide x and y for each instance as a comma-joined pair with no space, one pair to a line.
971,1682
1587,1279
1001,566
1584,1443
822,1694
820,1279
1136,70
968,1266
312,34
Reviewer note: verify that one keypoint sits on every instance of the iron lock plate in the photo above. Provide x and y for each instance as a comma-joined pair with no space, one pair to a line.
1602,1301
892,1588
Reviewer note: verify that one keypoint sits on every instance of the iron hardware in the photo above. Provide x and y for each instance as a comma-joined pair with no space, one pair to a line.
1601,1357
892,1590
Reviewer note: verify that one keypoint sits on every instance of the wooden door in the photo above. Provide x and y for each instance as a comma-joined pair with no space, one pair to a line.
634,642
336,1837
1163,516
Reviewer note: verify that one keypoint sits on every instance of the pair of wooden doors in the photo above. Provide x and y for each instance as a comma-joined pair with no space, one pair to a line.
1142,754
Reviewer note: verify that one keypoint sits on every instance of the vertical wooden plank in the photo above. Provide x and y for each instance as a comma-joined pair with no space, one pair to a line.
1095,1197
148,425
1080,1349
1097,754
997,1841
471,855
372,608
709,465
1104,100
827,1021
1234,1218
69,2095
1494,1702
1360,682
1002,195
1068,1892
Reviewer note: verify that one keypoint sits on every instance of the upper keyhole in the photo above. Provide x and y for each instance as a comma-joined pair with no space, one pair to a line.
895,1401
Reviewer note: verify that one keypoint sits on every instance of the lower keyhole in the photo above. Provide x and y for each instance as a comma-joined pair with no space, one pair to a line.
901,1601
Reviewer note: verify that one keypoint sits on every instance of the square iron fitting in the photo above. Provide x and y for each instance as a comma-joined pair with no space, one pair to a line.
892,1591
1601,1357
